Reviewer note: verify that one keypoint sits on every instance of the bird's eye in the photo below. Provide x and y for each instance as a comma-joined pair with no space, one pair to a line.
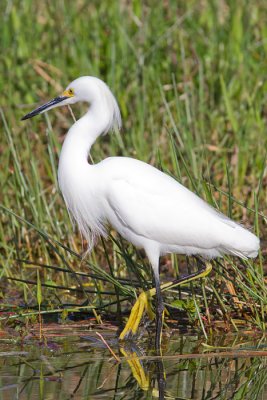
71,92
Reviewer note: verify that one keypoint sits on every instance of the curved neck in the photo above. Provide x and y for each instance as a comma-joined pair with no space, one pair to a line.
81,136
73,160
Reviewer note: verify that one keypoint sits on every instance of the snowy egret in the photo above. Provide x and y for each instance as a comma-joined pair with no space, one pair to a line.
147,207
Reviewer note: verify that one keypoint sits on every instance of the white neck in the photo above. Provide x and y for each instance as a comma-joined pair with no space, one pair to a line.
82,136
73,159
76,175
103,115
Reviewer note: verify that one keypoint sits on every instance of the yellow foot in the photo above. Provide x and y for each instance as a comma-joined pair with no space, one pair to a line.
142,304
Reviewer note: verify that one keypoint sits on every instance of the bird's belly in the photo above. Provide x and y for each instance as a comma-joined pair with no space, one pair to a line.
140,241
128,234
162,248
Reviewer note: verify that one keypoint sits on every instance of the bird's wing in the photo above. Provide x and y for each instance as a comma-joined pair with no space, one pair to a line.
161,209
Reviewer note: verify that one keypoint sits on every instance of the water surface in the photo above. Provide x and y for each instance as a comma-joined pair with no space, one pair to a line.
74,363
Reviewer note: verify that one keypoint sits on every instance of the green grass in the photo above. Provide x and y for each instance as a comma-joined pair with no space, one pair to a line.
190,79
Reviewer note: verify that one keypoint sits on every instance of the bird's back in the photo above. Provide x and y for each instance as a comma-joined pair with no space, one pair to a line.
151,205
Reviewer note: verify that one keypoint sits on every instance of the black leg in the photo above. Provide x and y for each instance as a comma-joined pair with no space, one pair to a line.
161,379
159,316
159,323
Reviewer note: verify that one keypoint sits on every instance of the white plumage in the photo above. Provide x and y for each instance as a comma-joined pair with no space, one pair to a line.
147,207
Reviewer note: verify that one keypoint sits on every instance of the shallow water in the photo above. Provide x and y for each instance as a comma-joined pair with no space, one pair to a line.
74,363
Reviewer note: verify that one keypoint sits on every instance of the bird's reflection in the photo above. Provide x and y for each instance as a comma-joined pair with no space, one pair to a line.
150,374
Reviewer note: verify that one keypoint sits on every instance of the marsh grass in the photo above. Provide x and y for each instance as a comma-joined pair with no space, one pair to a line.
190,80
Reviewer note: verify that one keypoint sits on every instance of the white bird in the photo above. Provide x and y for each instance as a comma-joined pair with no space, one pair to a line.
146,206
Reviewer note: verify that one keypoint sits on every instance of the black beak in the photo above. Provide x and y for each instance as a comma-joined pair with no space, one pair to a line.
50,104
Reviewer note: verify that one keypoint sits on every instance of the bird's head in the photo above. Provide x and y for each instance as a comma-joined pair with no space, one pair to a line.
69,96
86,89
